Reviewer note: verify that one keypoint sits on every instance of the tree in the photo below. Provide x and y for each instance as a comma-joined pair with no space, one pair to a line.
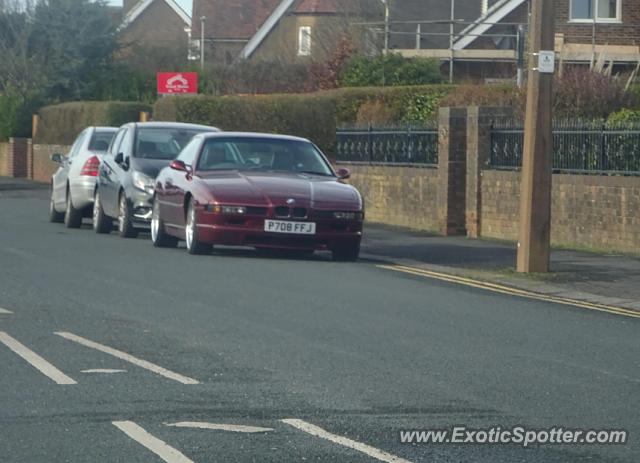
73,40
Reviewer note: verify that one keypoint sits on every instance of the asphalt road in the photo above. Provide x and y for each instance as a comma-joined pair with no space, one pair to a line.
356,350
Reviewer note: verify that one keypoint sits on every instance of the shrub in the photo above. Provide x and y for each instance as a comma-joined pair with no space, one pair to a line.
390,70
583,93
485,95
60,124
624,116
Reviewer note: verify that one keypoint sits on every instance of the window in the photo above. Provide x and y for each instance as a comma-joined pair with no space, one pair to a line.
115,143
100,140
75,149
304,41
598,10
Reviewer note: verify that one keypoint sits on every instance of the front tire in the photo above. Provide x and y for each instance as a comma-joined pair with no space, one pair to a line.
101,222
125,227
72,216
54,216
159,237
194,246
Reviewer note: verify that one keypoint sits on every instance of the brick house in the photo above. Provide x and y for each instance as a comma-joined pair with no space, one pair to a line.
156,31
586,30
284,30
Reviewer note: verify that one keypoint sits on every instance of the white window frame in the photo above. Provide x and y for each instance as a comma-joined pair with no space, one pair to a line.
304,41
616,20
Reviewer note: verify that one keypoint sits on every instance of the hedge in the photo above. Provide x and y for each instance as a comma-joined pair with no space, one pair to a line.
315,115
60,124
309,116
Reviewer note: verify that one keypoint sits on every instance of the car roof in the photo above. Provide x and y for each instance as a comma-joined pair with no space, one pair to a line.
272,136
174,125
106,129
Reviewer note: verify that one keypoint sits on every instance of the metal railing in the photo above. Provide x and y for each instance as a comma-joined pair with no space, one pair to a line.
389,146
578,147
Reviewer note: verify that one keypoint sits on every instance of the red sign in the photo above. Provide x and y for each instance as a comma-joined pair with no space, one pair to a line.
170,83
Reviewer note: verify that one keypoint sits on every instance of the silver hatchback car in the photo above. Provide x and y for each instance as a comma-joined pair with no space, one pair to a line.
74,183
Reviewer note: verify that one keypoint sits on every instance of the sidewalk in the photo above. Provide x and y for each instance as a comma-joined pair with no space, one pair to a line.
598,278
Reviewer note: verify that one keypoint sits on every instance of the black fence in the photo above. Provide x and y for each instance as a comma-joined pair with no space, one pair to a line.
399,146
578,147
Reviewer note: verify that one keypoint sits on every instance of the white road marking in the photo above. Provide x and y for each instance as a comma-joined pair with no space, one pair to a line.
35,360
219,427
344,441
142,437
5,311
128,358
103,370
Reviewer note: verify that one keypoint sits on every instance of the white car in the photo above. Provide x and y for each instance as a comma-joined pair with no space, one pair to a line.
73,185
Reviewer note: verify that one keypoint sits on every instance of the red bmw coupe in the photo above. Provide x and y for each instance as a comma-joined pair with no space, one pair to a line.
264,191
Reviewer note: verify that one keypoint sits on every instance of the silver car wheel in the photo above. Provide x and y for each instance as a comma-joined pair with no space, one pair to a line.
190,228
96,205
155,223
121,213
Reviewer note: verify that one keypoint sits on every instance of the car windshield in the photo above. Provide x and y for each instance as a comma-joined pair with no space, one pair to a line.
100,140
262,154
162,142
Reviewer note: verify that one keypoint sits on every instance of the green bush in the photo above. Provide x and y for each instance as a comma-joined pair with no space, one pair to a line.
309,116
417,104
624,116
10,104
390,70
60,124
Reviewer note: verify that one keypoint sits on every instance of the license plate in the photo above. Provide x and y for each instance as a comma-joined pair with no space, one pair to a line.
298,228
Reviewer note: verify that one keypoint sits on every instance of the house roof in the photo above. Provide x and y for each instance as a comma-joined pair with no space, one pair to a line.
142,5
232,19
316,7
495,14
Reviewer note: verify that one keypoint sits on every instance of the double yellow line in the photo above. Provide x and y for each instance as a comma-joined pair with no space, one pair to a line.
497,288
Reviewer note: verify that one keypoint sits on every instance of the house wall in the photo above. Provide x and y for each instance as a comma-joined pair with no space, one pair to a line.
158,27
282,43
626,33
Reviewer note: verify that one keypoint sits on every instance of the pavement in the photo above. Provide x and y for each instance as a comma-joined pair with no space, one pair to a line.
112,350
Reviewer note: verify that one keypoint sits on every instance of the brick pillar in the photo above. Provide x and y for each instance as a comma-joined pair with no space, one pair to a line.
479,120
452,160
18,157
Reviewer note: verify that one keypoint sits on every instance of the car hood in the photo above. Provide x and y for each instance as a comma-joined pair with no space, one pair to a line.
277,188
149,167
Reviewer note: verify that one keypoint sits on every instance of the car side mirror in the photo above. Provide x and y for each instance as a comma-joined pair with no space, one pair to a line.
57,157
178,165
343,173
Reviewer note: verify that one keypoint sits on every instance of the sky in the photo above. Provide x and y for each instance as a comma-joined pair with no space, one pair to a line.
185,4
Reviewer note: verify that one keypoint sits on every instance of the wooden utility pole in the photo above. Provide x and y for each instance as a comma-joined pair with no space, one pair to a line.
535,201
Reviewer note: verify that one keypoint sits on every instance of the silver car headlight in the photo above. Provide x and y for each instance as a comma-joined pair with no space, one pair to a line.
142,182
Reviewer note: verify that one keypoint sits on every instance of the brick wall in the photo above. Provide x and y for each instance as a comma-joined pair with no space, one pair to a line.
592,211
403,196
43,166
4,160
14,158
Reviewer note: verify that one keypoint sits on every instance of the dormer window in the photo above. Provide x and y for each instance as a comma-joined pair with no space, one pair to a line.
304,41
595,10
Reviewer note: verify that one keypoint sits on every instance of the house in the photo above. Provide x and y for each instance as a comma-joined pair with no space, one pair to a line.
586,31
154,33
284,30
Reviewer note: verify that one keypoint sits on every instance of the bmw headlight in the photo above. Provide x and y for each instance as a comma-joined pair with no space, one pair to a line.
142,182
